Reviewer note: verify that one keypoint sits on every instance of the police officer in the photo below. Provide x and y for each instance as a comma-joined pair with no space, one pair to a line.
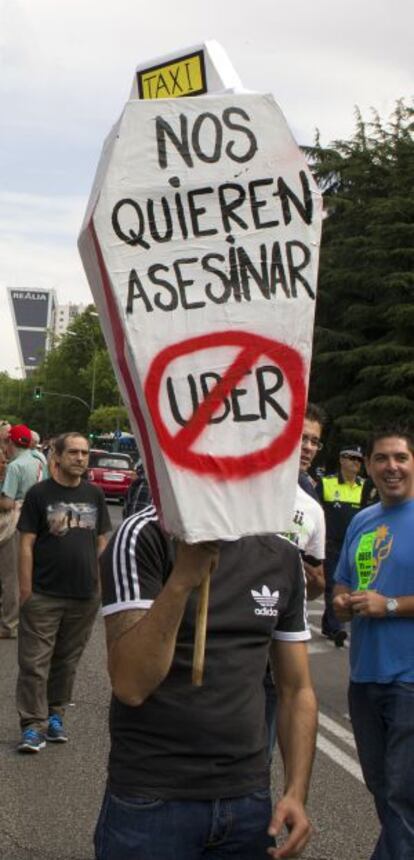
340,496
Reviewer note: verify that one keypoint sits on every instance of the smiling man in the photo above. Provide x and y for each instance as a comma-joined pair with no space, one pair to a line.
375,588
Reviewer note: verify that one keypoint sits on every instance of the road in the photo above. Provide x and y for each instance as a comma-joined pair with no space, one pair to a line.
49,802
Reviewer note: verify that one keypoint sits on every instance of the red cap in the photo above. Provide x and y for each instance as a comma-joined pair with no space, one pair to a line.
20,435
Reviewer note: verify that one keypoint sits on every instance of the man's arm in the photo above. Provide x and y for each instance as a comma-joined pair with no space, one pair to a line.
101,542
6,504
141,645
315,578
314,553
10,488
27,541
372,604
296,725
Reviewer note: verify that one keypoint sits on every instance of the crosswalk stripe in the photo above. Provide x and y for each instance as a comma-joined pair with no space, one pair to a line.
339,757
336,729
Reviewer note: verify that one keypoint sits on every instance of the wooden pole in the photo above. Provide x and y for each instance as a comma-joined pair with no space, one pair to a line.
201,631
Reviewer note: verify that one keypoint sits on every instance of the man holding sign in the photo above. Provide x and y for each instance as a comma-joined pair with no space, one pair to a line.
201,242
188,768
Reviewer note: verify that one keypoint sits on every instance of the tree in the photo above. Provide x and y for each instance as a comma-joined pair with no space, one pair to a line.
363,370
106,419
14,394
76,376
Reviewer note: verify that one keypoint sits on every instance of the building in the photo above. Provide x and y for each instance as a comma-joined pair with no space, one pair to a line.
33,314
65,315
38,320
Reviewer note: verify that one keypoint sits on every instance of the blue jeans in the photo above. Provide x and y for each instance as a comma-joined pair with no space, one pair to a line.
137,828
383,721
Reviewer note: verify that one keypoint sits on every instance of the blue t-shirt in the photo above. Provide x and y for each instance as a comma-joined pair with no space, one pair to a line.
378,553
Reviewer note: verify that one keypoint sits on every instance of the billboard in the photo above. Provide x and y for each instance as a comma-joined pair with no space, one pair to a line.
32,313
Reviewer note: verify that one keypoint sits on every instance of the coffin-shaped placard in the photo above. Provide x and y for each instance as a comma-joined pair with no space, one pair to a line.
201,243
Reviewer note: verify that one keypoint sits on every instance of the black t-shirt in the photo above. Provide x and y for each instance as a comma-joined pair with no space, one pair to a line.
66,521
210,741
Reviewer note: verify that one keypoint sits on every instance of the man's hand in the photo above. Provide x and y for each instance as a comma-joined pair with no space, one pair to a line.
193,563
290,812
315,579
25,593
342,606
368,603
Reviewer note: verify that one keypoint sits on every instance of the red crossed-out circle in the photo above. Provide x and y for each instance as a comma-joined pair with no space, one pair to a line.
251,347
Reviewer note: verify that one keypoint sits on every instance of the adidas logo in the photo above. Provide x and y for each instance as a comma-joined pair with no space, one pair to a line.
267,600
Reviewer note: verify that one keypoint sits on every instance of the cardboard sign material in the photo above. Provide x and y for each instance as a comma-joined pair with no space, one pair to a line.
193,71
201,244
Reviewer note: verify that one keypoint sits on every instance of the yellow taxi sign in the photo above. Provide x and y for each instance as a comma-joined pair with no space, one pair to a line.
185,76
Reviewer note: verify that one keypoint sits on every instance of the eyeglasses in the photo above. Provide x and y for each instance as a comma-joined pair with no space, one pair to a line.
313,441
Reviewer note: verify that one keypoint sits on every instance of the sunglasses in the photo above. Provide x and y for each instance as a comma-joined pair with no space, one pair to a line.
353,457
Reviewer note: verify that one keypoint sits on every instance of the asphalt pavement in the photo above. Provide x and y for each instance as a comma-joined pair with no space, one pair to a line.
49,801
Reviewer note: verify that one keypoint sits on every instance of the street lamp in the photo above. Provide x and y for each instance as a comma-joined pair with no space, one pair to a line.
94,356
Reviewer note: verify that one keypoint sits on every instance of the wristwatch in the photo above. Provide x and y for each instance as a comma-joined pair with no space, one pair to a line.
391,607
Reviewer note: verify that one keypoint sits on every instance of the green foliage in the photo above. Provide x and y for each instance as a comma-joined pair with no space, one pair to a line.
363,367
76,378
106,419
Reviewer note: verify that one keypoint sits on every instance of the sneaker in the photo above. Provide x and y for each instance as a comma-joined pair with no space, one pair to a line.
55,731
32,741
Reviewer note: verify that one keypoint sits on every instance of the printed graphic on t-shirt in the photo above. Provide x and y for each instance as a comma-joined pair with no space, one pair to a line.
373,548
62,517
267,600
298,521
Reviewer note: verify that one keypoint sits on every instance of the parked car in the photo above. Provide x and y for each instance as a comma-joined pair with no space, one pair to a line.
112,472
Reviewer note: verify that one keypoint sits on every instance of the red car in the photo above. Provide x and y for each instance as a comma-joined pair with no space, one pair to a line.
112,472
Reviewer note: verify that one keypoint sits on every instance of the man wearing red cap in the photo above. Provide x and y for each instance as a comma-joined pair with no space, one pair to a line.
21,473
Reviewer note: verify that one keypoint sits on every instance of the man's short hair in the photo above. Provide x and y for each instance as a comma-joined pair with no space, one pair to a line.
401,431
59,443
315,413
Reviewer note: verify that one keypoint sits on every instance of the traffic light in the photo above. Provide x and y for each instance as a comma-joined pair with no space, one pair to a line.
37,394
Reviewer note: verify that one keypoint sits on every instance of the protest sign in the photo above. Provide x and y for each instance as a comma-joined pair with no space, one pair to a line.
200,69
201,244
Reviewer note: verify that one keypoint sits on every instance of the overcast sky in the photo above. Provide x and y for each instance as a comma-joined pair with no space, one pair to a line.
67,68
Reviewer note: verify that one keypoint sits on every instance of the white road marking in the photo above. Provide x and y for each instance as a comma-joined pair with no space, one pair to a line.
317,648
336,729
324,745
338,757
317,630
